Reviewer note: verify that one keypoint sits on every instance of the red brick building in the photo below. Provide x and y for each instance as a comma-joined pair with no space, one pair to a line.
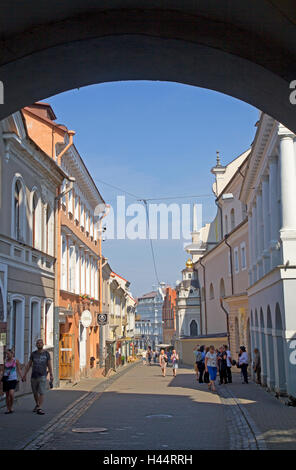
169,316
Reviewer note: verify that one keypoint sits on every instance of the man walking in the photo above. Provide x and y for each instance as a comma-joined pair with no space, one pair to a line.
40,362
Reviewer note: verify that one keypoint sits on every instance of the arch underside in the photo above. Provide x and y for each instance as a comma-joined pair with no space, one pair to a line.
144,44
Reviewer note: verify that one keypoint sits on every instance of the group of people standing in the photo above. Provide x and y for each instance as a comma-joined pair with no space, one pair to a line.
209,361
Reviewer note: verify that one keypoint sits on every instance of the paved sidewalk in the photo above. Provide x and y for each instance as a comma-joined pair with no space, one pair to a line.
274,421
15,429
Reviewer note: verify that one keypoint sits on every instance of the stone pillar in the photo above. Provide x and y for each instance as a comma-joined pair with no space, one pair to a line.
254,242
260,235
266,223
274,216
250,225
287,195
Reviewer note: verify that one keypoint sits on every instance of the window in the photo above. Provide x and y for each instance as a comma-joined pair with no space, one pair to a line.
48,323
77,208
34,220
226,225
70,202
18,217
243,256
229,264
34,324
71,268
1,305
77,271
236,260
64,264
193,328
17,327
232,219
81,215
222,288
211,291
82,257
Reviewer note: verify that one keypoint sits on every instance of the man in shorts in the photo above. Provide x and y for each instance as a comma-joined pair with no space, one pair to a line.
40,361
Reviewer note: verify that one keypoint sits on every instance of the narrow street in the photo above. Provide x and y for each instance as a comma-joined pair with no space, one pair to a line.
139,409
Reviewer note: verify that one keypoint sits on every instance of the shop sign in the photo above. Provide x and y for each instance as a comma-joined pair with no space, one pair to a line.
86,318
102,319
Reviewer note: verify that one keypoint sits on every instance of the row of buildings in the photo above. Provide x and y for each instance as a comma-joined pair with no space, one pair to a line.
239,283
54,281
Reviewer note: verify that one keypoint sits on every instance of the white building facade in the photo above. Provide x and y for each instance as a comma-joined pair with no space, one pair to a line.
269,190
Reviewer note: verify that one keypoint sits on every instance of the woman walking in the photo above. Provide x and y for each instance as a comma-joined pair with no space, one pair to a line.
175,359
163,359
211,367
9,379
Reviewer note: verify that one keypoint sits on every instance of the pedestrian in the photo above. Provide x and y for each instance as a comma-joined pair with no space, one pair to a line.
163,359
41,364
197,356
211,367
229,363
257,366
10,380
243,363
175,361
144,355
149,355
201,364
223,366
206,373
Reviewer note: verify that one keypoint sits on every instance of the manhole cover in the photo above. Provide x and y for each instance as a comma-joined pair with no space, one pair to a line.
159,416
89,429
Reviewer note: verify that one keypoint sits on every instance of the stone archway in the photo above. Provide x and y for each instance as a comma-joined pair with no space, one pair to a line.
65,45
279,359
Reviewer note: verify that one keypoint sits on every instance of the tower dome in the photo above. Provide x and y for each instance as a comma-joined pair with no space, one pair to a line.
189,263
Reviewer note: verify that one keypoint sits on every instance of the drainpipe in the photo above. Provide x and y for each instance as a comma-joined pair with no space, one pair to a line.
101,344
70,143
227,320
231,267
205,299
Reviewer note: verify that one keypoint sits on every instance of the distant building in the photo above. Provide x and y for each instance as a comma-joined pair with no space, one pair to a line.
169,316
188,304
149,313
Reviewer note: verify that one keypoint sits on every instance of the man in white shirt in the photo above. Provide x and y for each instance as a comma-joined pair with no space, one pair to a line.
243,362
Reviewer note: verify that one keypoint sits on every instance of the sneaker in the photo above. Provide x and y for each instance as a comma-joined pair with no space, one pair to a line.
40,412
35,409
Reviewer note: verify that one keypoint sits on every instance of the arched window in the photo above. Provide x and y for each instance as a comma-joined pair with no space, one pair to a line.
222,288
35,317
36,222
34,217
232,219
18,216
193,328
17,326
48,323
64,264
226,225
211,291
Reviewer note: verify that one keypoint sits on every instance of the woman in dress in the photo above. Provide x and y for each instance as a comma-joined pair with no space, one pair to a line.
211,367
175,359
9,379
163,359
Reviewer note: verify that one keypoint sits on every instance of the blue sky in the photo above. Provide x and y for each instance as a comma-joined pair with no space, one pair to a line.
154,140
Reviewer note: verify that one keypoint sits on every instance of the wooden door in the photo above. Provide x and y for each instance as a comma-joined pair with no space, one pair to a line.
66,354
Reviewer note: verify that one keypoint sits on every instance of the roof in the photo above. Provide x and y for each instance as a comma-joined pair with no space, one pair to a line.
150,295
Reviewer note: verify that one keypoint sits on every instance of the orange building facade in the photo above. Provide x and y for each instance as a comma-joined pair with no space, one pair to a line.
169,316
77,247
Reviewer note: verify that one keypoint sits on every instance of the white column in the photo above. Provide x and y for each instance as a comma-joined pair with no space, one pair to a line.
266,223
287,195
250,231
260,239
273,208
255,241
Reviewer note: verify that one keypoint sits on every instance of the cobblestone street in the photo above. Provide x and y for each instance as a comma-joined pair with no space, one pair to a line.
142,410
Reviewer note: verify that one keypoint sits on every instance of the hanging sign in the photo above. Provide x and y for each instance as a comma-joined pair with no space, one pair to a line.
86,318
102,319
